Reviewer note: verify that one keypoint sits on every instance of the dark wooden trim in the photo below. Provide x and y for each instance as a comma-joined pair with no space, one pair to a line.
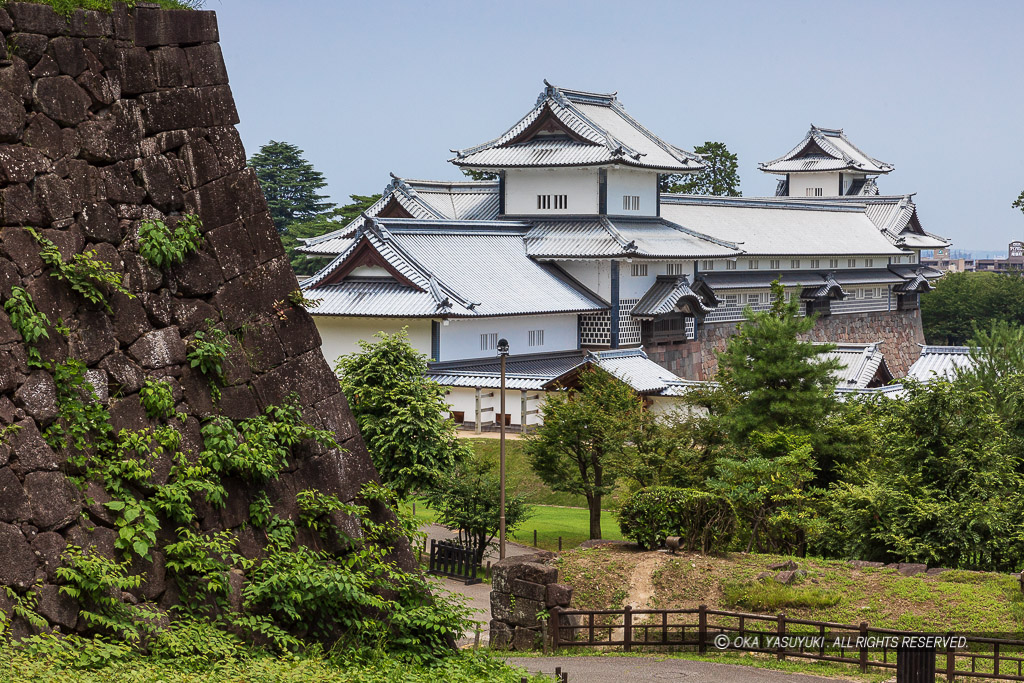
393,209
501,193
614,331
545,122
602,191
365,255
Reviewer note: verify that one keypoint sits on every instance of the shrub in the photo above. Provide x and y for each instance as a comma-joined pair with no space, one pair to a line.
705,521
164,246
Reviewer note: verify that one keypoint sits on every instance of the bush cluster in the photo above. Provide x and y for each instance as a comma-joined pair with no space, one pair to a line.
704,521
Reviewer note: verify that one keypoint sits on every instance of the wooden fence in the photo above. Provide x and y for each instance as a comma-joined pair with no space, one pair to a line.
707,630
450,559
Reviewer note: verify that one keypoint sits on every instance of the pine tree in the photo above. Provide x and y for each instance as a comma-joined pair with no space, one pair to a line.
320,225
290,184
772,378
721,177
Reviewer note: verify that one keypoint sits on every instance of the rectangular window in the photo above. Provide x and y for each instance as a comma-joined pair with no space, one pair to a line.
814,191
730,265
910,259
630,202
794,263
680,268
815,263
543,201
730,300
707,265
753,264
833,263
536,337
561,201
489,342
851,263
774,264
639,269
869,262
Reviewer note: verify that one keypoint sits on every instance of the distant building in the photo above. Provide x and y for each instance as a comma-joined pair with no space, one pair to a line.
1013,263
575,257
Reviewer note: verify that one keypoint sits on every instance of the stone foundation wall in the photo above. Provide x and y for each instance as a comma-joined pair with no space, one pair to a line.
107,120
520,588
899,331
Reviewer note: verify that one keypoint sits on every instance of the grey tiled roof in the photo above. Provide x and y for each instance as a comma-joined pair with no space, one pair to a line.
427,199
670,293
457,269
601,236
779,226
917,283
825,149
829,288
547,371
601,133
895,216
940,362
861,363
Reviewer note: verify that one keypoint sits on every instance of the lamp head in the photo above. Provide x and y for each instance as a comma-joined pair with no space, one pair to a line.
503,347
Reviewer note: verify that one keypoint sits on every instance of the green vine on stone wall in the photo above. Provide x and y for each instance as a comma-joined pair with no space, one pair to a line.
85,273
97,582
163,246
207,351
31,323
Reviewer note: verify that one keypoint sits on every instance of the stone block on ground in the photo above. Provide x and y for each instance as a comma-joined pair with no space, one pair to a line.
525,639
558,594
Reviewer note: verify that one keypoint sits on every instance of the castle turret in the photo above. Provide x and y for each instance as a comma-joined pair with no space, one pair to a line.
826,164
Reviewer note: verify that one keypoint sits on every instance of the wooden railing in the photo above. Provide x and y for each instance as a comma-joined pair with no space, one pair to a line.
454,561
708,630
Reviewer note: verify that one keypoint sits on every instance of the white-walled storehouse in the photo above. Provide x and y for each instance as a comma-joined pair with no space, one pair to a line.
575,258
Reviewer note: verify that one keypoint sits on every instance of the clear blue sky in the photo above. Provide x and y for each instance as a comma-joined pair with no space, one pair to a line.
934,88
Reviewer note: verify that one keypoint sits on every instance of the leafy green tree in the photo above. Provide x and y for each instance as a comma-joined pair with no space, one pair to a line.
771,379
401,413
290,184
962,301
721,178
768,482
585,429
338,218
474,174
943,487
467,500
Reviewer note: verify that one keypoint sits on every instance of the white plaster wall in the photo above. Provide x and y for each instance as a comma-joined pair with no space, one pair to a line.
464,399
799,182
461,338
594,275
523,185
340,335
635,183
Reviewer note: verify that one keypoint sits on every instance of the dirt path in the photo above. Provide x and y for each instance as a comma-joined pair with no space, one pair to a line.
641,582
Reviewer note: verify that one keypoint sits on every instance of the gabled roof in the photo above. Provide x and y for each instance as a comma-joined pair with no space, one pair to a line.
551,371
445,269
615,236
825,149
577,128
673,294
781,227
829,289
864,365
940,362
427,199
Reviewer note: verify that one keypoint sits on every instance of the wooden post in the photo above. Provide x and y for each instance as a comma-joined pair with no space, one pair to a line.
522,411
951,658
476,637
433,552
477,427
534,538
559,544
627,628
864,647
702,629
556,619
781,633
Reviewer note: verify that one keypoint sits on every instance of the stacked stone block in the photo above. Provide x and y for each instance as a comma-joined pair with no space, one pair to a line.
900,334
107,120
522,587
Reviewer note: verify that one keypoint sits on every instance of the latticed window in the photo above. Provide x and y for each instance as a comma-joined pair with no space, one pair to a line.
631,202
639,270
536,337
794,263
680,268
595,329
489,342
773,264
629,327
753,264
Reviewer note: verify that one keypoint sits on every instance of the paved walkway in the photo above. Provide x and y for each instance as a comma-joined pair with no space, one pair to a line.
650,668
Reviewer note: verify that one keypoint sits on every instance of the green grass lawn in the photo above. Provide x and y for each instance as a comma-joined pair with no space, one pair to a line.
519,477
572,524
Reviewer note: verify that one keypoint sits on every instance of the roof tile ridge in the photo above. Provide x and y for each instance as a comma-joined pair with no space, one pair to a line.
666,146
788,155
876,162
700,235
627,245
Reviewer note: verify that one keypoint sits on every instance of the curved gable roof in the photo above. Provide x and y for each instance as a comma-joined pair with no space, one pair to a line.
825,149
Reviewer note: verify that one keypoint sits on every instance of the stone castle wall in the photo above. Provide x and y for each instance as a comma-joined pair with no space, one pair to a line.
899,331
107,120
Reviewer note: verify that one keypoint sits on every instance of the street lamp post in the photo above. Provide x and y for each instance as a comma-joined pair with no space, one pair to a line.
503,353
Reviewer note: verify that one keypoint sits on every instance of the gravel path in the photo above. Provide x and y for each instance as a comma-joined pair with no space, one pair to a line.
651,668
